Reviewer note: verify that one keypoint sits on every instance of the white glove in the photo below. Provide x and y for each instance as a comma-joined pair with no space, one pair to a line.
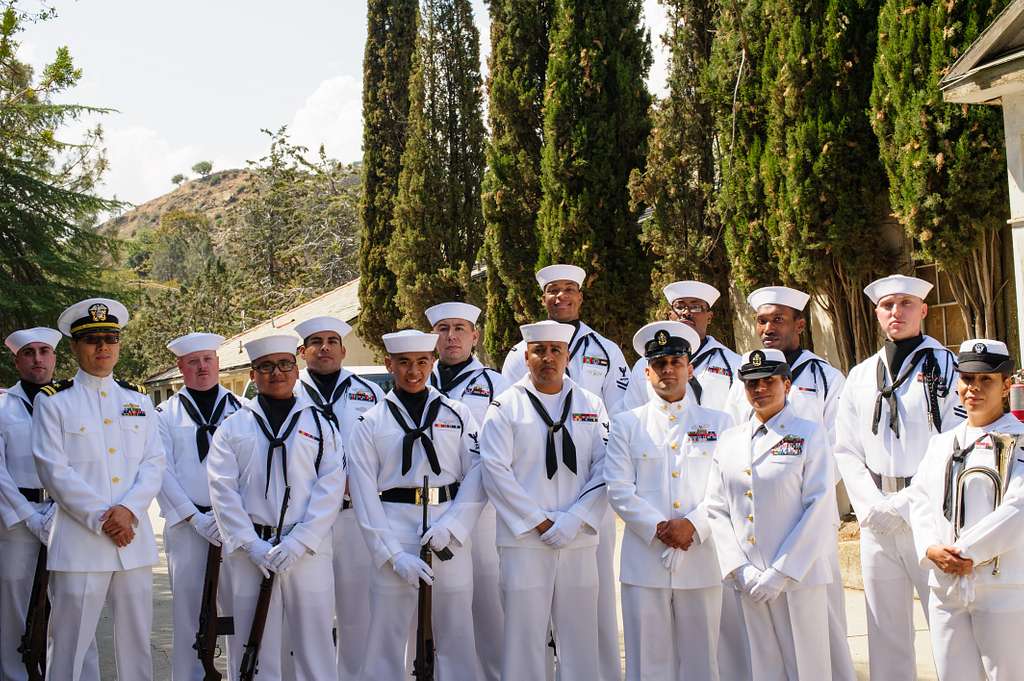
206,527
567,526
258,552
283,556
746,577
768,586
671,558
36,524
50,513
883,518
412,569
965,585
438,536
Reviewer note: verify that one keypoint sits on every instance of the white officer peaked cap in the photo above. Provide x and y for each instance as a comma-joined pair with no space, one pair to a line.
551,273
547,331
452,310
665,338
778,295
271,345
39,334
92,315
691,289
762,363
984,356
409,340
897,283
195,342
307,328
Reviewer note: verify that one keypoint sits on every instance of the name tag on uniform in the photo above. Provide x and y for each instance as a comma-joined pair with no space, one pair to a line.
584,418
721,371
445,425
702,434
361,396
595,361
478,391
791,445
132,409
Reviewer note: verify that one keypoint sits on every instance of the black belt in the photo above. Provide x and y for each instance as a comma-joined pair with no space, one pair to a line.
346,504
33,495
203,509
264,532
414,495
900,483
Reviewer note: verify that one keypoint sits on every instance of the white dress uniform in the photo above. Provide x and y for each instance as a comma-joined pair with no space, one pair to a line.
771,502
96,445
392,527
872,458
247,504
974,619
714,370
476,386
542,585
351,398
659,457
186,492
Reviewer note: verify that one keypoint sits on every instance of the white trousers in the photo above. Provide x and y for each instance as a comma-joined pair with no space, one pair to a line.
19,550
671,634
304,597
789,636
353,569
544,588
488,618
78,598
839,647
393,604
609,660
891,573
186,566
981,641
733,646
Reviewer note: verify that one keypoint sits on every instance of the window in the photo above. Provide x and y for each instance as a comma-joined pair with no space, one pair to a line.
945,320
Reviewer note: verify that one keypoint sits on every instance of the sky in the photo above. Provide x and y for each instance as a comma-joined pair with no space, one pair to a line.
193,81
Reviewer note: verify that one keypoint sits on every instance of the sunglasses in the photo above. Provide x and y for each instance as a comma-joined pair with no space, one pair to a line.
283,365
100,339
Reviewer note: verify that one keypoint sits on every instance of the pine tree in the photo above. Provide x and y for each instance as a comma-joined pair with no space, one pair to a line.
595,132
683,232
946,163
438,226
387,62
511,186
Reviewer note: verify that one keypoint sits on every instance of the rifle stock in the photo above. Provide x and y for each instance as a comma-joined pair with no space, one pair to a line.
33,641
423,664
210,625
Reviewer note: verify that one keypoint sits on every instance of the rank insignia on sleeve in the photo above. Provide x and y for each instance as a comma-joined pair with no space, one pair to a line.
132,409
584,418
702,434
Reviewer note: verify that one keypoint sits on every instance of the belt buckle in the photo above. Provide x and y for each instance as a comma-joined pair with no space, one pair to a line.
433,496
892,485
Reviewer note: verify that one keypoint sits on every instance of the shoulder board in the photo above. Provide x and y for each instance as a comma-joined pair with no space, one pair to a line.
131,386
55,388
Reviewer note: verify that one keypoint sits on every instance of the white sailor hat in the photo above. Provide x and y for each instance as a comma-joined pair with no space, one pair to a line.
280,343
91,315
307,328
658,339
984,356
691,289
763,363
897,283
195,342
409,340
452,310
778,295
547,331
39,334
551,273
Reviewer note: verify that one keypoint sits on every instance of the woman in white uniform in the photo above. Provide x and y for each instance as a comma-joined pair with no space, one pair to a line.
771,498
966,506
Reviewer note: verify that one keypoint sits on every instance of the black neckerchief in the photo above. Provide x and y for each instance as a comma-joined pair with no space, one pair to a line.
417,431
31,390
887,391
568,448
413,402
206,400
449,375
325,383
206,423
277,411
897,351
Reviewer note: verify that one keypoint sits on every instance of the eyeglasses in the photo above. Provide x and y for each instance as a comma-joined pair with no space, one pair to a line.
282,365
101,339
691,309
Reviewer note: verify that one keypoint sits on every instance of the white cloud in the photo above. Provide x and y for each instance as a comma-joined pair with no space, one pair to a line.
332,116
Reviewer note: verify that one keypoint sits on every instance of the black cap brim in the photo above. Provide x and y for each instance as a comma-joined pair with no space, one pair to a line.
764,372
980,366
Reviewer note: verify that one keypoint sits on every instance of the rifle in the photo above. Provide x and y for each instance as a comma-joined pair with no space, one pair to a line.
423,665
33,641
250,657
210,625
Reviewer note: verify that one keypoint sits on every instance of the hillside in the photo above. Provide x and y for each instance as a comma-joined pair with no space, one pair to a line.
212,195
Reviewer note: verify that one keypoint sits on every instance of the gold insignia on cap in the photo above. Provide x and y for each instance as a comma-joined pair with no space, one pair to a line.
661,337
757,358
980,348
98,312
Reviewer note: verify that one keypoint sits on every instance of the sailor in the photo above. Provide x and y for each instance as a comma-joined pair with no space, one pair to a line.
659,456
97,449
771,501
279,448
595,364
417,433
967,513
342,397
813,395
543,449
714,365
893,403
458,374
188,420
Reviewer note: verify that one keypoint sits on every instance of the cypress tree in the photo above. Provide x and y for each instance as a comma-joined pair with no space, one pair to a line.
438,226
511,186
595,132
683,232
946,163
387,60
